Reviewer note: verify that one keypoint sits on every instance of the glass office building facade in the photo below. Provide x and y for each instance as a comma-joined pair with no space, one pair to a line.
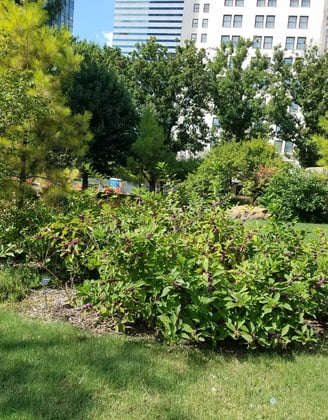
137,21
66,16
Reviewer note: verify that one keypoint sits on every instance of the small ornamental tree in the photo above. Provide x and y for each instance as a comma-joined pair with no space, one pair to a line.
149,148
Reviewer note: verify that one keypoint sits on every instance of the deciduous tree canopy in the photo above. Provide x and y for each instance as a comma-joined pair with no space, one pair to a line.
97,89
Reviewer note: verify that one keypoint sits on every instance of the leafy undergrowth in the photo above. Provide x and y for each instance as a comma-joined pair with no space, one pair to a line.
55,371
189,271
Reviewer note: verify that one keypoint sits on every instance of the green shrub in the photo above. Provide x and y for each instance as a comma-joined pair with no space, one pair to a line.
15,283
248,163
19,224
190,272
296,193
16,222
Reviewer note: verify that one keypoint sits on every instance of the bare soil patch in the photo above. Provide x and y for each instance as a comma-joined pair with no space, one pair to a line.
61,305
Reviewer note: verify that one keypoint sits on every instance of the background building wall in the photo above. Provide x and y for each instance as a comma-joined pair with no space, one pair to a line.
209,23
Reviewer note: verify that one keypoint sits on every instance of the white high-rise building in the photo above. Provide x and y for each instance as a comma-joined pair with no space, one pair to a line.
290,24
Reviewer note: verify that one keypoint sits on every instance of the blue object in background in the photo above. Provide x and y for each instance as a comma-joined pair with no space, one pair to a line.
114,182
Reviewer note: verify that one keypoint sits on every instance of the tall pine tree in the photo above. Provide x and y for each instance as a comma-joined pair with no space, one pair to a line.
35,122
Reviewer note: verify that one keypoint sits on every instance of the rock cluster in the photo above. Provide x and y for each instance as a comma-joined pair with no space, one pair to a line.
247,212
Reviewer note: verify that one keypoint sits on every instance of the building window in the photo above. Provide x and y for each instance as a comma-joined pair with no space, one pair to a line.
259,21
203,38
294,3
257,42
235,39
269,23
260,3
237,21
195,23
225,39
228,2
206,8
289,147
205,23
292,21
300,45
305,3
239,3
290,43
196,7
267,43
303,23
194,37
272,3
227,21
288,60
215,122
278,145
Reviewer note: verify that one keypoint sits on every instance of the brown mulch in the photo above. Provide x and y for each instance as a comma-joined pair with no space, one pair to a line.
61,305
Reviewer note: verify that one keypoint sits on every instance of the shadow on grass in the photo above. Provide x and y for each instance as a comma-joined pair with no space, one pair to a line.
50,371
230,349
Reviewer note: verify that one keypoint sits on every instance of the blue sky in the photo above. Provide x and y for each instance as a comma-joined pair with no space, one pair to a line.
93,20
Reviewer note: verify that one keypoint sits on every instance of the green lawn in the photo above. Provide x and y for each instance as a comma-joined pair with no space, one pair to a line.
312,230
54,371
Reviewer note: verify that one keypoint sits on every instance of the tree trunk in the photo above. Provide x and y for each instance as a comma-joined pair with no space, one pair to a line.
85,179
151,179
22,176
152,184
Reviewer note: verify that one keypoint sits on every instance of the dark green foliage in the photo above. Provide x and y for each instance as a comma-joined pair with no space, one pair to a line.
97,89
289,125
296,193
54,8
250,98
302,85
310,86
321,141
